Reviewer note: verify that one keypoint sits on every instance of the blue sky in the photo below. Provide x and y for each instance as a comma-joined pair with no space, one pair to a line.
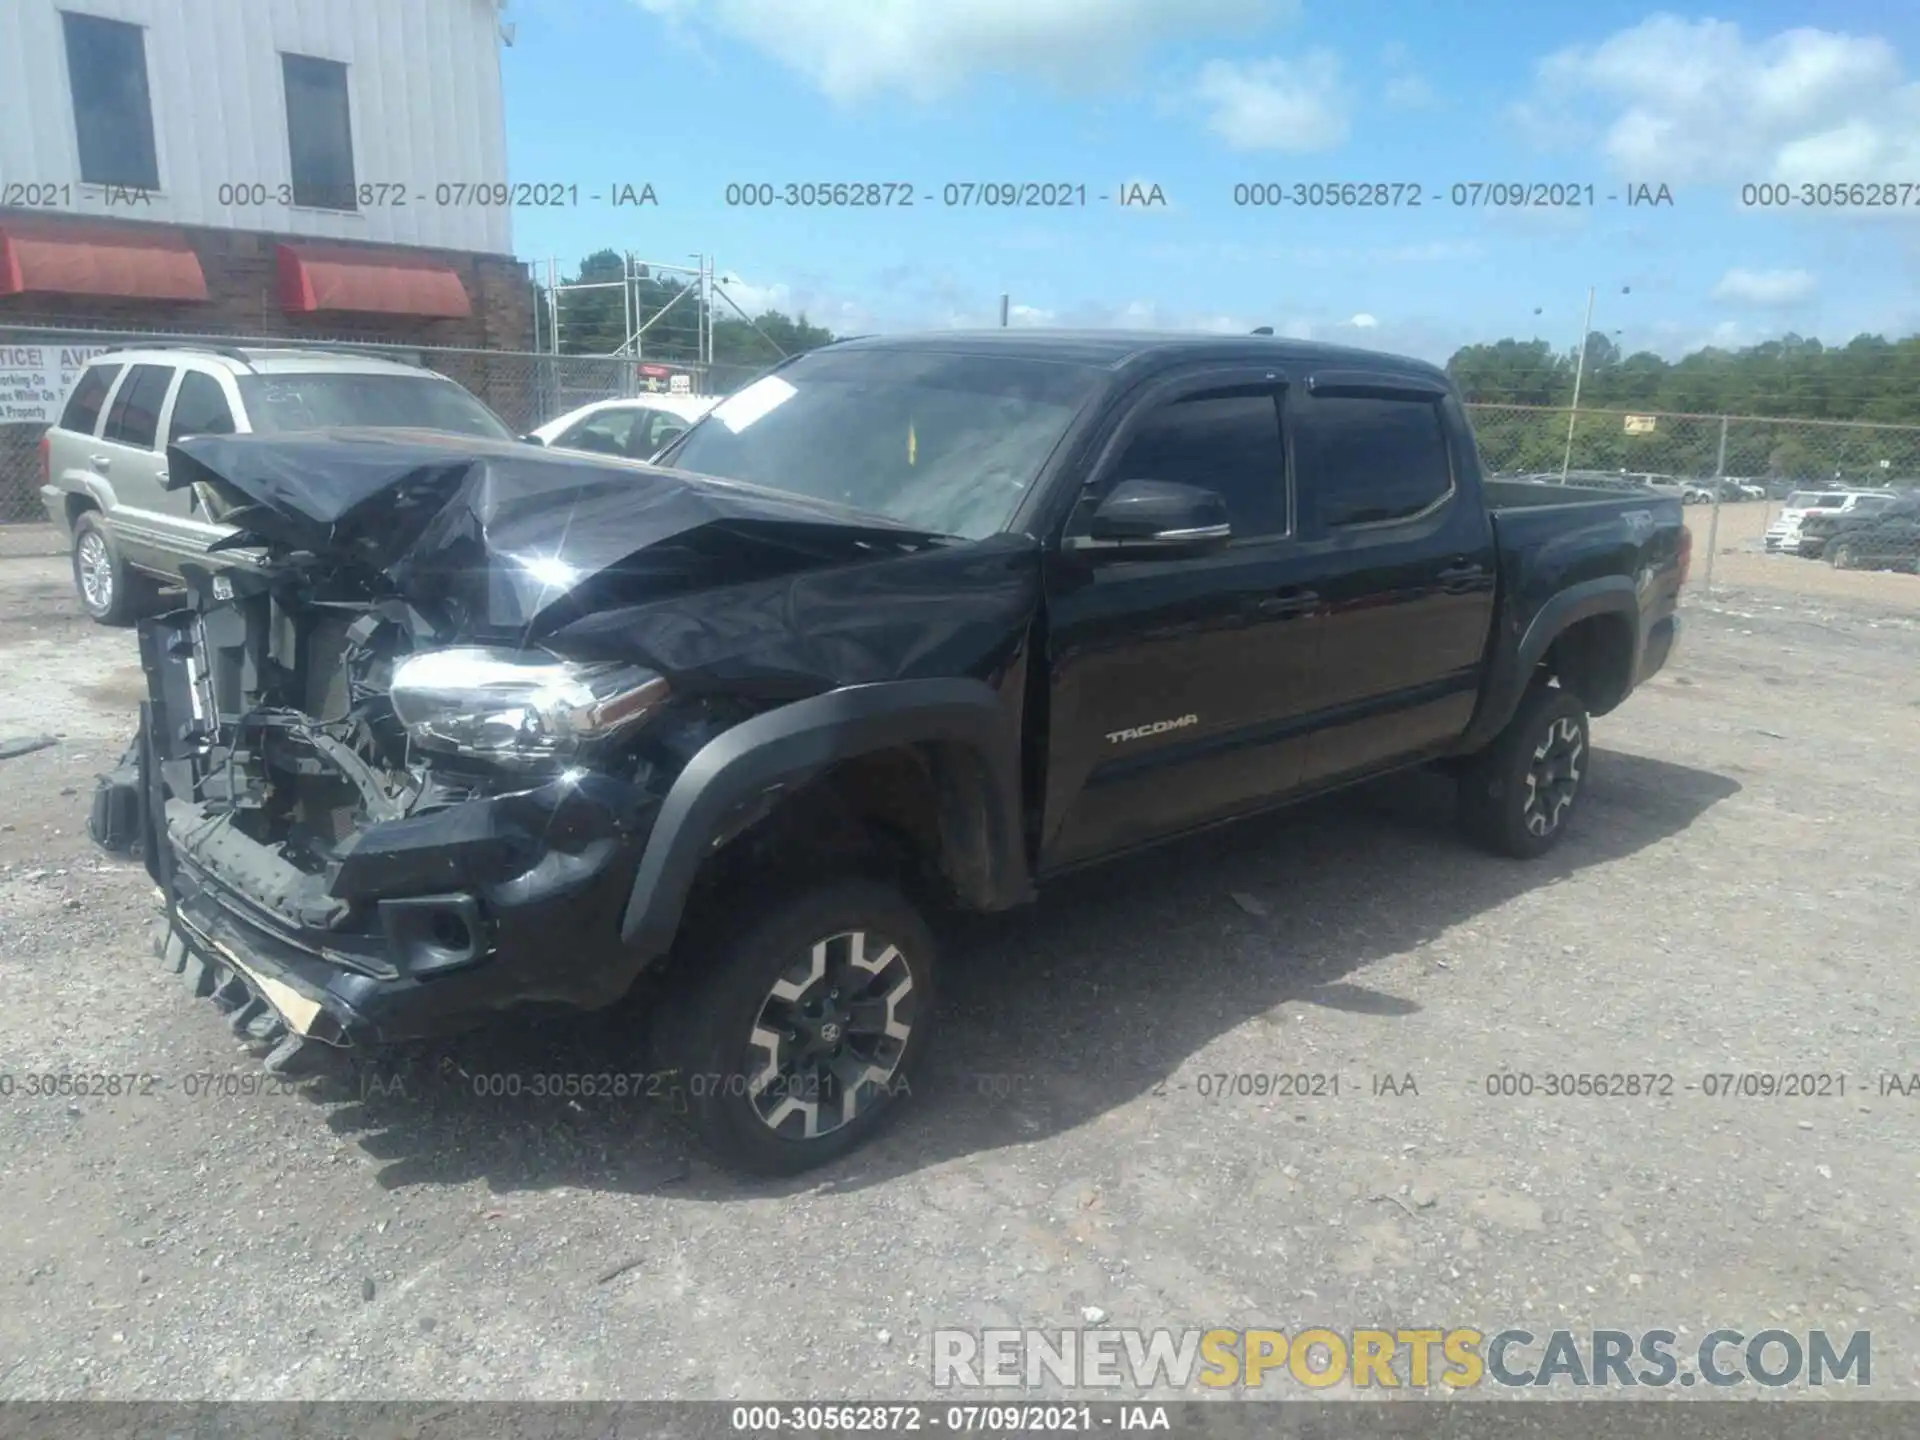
1197,96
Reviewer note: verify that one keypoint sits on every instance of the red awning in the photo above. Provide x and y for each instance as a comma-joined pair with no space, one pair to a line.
316,278
59,259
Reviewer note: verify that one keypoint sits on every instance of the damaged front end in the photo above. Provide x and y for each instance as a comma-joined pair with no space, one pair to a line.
354,853
398,773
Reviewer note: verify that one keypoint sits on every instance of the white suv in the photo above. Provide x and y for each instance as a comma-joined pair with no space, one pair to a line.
104,462
1784,533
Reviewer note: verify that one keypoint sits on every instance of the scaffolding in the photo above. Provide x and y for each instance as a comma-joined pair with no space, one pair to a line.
698,285
658,357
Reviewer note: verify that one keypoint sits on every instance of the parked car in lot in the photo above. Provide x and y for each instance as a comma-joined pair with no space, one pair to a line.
1659,484
1889,540
1819,527
637,429
908,623
104,472
1784,533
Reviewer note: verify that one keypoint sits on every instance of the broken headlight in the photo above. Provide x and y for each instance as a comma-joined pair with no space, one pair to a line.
518,706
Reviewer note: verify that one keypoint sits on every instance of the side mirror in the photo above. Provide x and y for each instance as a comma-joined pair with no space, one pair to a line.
531,440
1155,517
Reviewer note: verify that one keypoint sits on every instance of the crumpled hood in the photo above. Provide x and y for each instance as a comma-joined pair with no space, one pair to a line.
725,588
503,534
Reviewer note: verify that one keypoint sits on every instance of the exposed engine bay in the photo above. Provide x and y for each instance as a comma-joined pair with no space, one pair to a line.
305,737
405,746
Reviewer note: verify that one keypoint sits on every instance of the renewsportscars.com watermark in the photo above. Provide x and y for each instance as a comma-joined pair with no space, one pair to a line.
1381,1359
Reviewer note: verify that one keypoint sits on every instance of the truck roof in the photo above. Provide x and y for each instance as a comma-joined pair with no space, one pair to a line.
1117,349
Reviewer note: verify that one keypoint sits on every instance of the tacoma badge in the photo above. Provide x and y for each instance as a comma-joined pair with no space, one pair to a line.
1158,727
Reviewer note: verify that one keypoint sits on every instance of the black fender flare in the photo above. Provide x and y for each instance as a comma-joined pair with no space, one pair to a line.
1513,666
795,741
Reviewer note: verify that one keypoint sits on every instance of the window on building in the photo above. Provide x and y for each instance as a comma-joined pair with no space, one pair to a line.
112,111
1371,460
319,132
199,408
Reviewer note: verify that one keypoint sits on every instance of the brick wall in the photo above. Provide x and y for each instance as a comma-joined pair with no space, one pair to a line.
243,297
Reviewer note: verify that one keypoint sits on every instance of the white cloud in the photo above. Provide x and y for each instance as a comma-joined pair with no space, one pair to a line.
1291,105
820,304
1765,287
1695,100
852,49
1363,321
1151,315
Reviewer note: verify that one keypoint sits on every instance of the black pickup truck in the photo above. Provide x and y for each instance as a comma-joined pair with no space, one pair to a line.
908,623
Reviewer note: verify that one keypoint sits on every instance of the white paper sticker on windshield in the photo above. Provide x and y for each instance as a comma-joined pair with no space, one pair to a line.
739,411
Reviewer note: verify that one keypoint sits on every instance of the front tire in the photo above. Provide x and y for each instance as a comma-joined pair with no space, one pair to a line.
806,1028
1518,794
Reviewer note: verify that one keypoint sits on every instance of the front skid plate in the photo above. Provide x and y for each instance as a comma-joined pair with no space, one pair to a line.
292,1033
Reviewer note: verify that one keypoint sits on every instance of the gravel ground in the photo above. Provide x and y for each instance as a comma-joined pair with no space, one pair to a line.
1737,896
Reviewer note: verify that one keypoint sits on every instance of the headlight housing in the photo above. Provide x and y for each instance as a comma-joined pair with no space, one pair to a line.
518,706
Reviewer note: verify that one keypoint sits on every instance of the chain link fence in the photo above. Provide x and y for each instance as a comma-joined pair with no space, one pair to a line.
524,388
1773,504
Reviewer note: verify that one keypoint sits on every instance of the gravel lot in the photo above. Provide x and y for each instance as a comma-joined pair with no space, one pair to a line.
1738,896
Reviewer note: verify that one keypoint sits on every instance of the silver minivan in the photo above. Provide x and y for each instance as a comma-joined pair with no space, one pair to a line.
104,463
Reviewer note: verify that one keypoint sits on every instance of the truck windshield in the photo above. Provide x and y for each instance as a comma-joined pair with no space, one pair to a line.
943,442
322,399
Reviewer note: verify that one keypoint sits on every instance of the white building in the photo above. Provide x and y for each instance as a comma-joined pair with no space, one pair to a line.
257,166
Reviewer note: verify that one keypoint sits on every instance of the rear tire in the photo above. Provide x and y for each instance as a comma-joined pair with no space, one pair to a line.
1517,795
800,1033
111,591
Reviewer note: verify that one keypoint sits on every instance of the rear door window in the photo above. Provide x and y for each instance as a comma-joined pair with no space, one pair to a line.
83,406
135,418
1371,461
200,408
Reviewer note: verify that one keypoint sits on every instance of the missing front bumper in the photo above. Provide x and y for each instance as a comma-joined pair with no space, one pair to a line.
418,927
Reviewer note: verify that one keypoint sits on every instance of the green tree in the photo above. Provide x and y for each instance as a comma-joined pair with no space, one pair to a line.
1794,377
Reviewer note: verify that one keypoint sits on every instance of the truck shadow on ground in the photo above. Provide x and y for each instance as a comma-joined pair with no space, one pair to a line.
1052,1015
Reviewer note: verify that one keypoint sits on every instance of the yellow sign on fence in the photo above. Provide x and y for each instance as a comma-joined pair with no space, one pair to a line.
1639,424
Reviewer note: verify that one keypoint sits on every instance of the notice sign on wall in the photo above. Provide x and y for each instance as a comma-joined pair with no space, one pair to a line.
35,379
656,379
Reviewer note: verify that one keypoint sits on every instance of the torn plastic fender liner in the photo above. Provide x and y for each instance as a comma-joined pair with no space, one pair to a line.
498,532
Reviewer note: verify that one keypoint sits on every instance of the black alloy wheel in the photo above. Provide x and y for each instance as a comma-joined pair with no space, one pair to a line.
1518,794
831,1034
796,1033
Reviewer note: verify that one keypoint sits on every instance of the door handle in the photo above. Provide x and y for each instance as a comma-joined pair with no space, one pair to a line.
101,462
1290,602
1458,577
